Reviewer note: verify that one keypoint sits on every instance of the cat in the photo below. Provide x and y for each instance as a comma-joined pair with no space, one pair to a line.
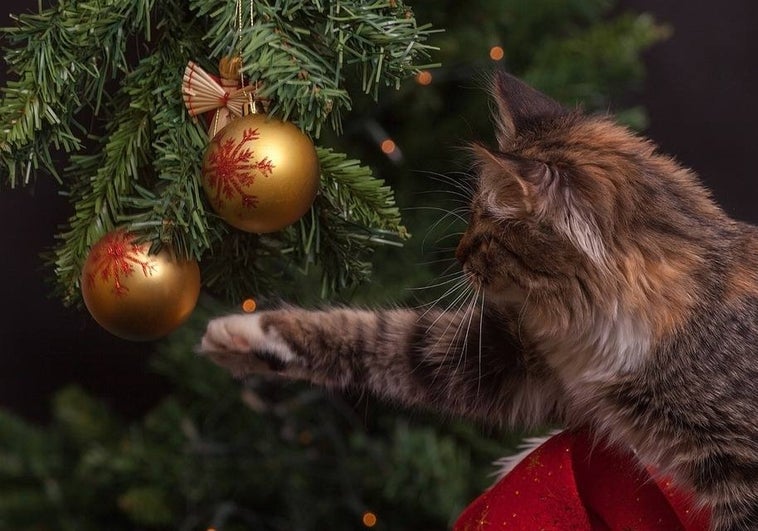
609,291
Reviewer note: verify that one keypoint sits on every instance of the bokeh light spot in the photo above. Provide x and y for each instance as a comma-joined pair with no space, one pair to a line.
249,305
497,53
424,77
369,519
388,146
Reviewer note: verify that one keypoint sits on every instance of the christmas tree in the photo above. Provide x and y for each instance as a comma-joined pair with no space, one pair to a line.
95,103
131,151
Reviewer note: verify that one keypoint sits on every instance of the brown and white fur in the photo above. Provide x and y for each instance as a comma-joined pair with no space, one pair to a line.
608,290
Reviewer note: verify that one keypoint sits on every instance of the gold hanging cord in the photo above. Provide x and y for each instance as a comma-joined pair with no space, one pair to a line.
252,103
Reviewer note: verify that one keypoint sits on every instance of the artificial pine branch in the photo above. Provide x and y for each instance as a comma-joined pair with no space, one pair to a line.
63,57
137,163
303,52
354,194
241,265
354,210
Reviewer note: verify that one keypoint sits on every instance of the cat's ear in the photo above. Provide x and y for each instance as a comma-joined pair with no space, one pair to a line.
519,107
511,187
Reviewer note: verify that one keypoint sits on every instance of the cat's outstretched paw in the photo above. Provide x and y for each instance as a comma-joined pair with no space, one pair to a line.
242,346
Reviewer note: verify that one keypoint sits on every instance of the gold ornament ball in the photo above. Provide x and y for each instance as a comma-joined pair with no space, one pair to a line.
260,174
134,294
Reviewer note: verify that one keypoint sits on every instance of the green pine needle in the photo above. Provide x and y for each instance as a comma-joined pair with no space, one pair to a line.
98,88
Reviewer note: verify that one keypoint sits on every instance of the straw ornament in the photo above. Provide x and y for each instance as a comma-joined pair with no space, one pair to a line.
203,93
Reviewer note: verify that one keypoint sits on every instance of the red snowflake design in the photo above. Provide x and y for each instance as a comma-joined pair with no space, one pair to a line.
231,167
114,258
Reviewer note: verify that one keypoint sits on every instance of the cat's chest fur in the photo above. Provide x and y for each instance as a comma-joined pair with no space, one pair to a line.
594,350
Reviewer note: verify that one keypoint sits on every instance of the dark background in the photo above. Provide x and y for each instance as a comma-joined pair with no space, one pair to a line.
699,94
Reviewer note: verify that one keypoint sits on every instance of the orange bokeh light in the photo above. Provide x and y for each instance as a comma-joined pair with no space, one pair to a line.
388,146
369,519
497,53
424,77
249,305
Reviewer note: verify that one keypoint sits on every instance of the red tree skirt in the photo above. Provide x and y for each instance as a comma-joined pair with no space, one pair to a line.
568,483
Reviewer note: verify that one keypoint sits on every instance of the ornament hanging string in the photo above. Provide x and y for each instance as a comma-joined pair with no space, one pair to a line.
251,98
227,98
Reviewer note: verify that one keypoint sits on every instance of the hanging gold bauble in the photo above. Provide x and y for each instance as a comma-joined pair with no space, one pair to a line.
260,174
134,294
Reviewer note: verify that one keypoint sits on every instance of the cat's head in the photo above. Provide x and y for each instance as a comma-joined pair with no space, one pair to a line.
576,207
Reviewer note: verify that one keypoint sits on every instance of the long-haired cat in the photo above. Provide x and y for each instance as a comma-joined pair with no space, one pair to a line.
611,292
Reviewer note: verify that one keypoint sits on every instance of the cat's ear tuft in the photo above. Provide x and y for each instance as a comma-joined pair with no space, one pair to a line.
520,107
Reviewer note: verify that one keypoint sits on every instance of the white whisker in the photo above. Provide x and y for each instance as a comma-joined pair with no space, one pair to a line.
465,284
465,185
461,298
450,235
437,223
454,340
455,212
461,197
449,267
522,312
462,284
455,276
438,261
447,249
470,311
481,321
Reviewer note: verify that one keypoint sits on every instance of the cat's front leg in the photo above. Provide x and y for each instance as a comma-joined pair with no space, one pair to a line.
457,362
